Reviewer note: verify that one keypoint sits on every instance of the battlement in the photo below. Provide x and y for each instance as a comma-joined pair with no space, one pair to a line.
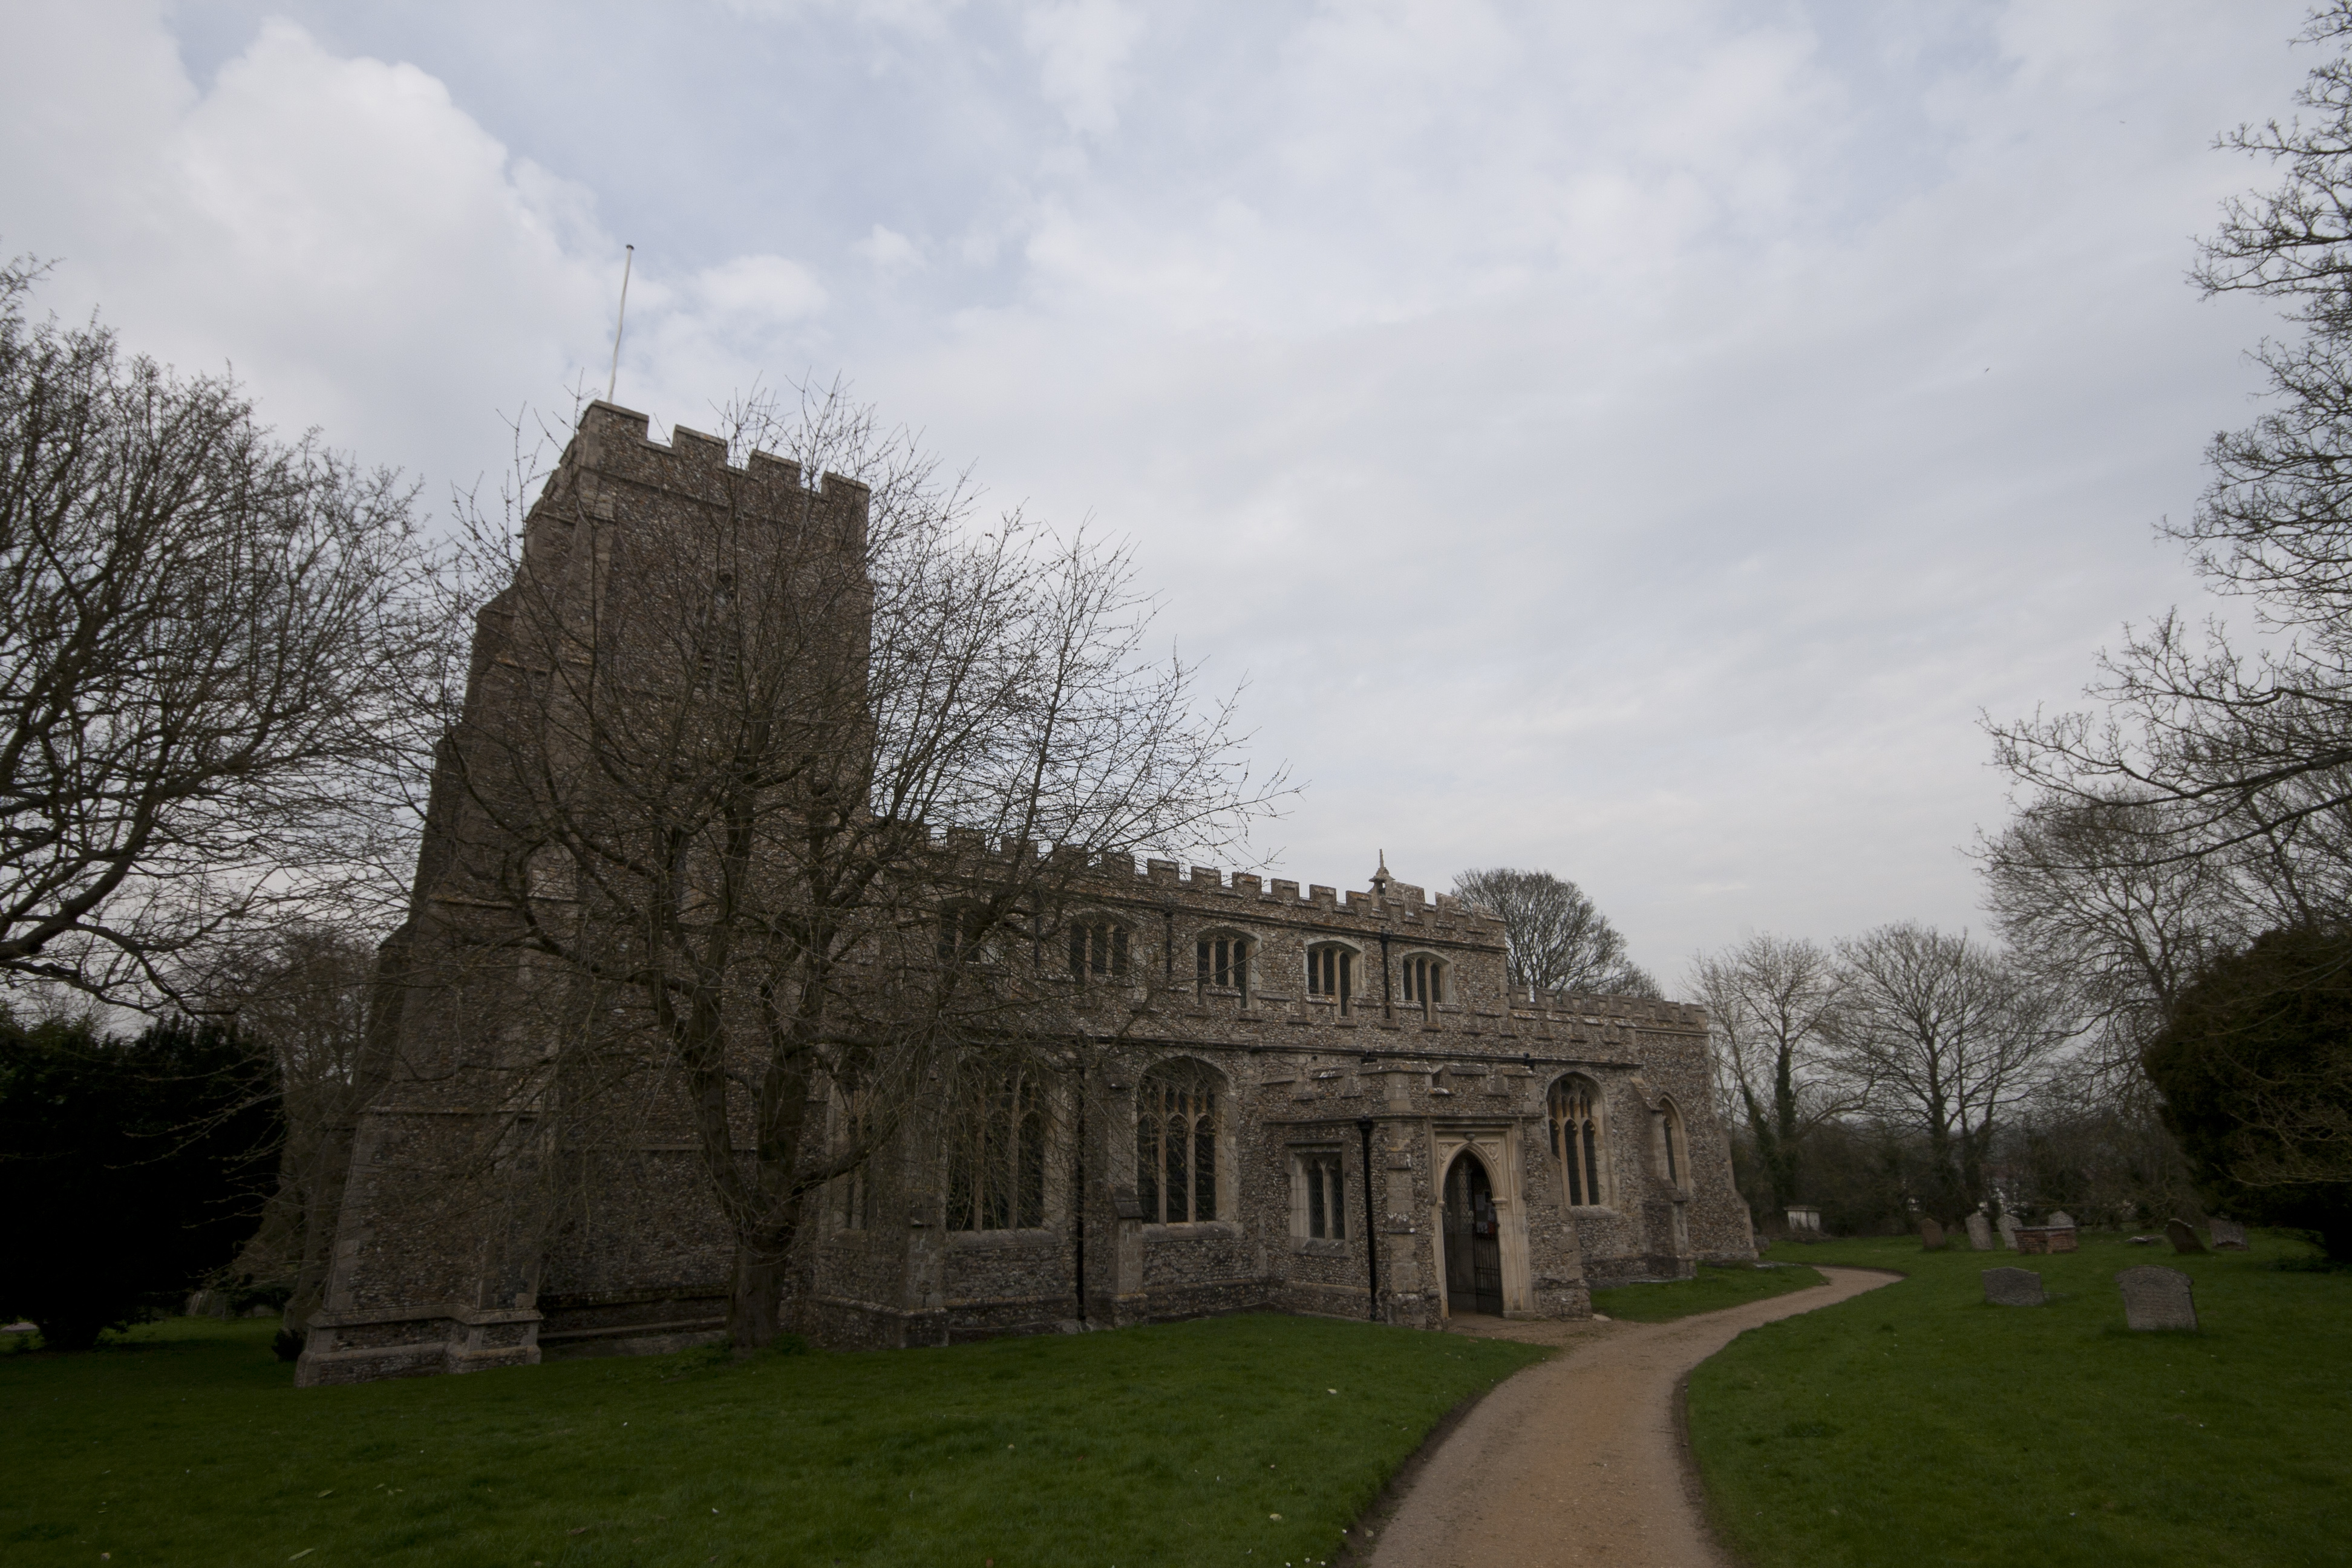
1119,877
1594,1008
615,442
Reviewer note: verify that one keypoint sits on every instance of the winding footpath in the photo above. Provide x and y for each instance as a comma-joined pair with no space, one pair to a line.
1581,1459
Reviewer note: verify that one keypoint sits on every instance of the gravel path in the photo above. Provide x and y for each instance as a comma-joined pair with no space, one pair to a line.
1581,1459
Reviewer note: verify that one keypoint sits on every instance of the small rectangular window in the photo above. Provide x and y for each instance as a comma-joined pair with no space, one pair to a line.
1097,947
1326,1210
1331,975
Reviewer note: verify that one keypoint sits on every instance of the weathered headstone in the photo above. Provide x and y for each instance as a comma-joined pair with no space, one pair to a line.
1980,1233
2156,1297
2009,1231
2062,1220
2045,1238
1931,1236
2183,1239
2012,1287
2229,1235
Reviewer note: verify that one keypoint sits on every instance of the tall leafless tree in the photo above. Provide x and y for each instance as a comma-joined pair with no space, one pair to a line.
2251,751
1556,937
302,994
209,636
803,823
1951,1037
1775,1004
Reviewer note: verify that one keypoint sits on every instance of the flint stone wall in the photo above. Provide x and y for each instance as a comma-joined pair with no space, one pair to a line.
471,1236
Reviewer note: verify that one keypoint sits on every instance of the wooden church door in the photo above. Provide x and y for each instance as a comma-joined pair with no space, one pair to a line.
1474,1246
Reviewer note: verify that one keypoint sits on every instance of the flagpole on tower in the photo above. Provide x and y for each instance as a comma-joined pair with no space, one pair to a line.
627,261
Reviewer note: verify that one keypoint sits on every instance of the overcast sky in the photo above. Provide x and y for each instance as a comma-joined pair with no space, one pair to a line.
1635,441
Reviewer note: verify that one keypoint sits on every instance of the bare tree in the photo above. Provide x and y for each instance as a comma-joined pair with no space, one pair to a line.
2090,903
1774,1003
2250,752
303,996
1950,1036
1556,937
761,793
207,637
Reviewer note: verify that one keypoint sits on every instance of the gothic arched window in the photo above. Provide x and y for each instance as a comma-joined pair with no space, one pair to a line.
1424,979
852,1129
1577,1134
1176,1125
996,1154
1671,1143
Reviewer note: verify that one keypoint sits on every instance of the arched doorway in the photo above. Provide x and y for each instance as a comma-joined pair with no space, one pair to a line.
1474,1246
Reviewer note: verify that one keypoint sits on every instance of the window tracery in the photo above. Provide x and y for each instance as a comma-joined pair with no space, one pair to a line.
1177,1117
1575,1113
996,1155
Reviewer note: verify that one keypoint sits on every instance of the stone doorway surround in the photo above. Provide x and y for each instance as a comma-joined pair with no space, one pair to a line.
1497,1145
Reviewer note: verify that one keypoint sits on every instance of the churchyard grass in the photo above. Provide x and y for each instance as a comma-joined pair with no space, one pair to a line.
1916,1423
1233,1440
1712,1289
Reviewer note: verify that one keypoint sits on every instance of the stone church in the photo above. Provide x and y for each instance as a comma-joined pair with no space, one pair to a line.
1333,1104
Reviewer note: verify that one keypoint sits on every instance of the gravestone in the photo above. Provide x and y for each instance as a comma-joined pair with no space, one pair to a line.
2009,1231
2062,1220
1931,1236
2012,1287
2156,1297
2229,1235
2183,1239
2045,1238
1980,1233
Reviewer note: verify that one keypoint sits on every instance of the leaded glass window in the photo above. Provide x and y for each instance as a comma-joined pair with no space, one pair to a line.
1576,1134
996,1155
1176,1127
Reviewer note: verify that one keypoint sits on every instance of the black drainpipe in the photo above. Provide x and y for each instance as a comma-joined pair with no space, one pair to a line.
1372,1236
1078,1195
1387,986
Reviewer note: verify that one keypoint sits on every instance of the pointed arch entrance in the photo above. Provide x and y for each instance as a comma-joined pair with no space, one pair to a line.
1473,1246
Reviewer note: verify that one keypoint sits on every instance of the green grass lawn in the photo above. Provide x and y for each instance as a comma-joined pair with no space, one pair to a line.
1236,1440
1715,1288
1917,1425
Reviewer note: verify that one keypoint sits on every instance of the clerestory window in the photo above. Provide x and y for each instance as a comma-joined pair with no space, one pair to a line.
963,935
1424,981
1222,962
1331,975
1098,949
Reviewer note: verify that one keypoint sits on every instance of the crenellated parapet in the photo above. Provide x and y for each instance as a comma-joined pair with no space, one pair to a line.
612,470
